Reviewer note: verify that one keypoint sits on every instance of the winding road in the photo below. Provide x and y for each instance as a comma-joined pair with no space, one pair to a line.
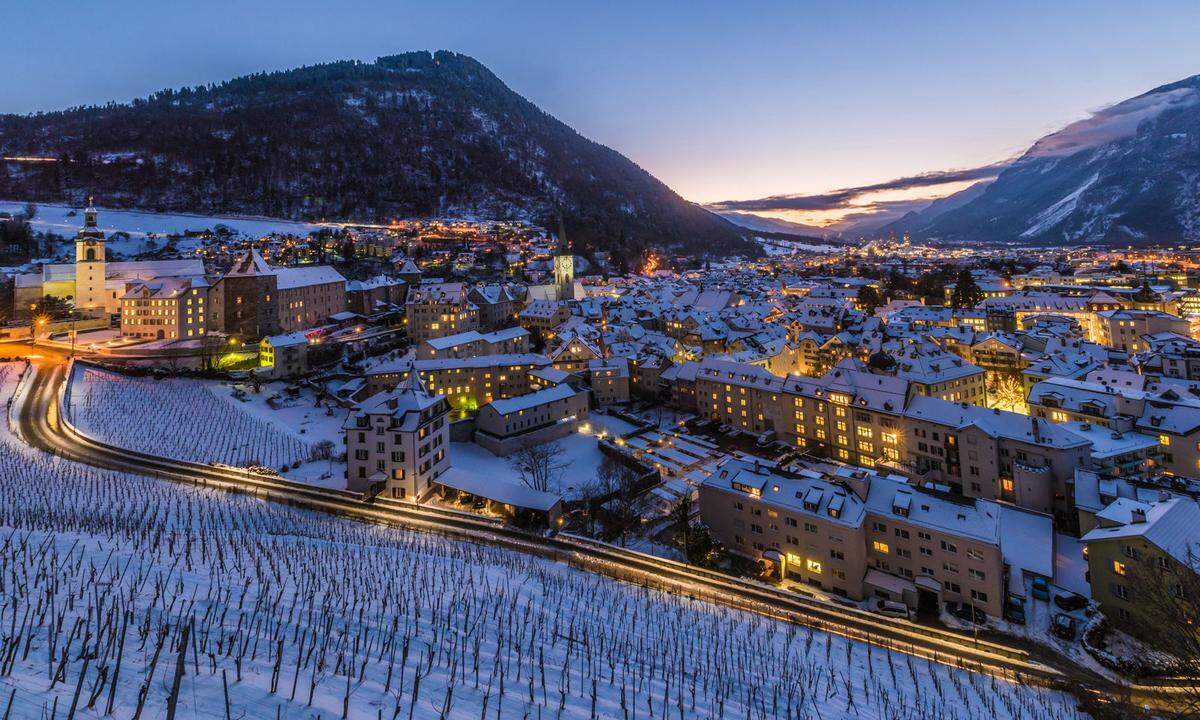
40,424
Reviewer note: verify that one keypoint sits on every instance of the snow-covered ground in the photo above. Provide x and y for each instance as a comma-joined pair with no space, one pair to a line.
578,452
178,418
303,615
57,219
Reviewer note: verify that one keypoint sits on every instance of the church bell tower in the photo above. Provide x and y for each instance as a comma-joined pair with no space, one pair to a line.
564,266
89,263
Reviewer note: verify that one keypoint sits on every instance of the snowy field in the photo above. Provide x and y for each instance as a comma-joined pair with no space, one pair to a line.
57,219
178,418
119,589
579,453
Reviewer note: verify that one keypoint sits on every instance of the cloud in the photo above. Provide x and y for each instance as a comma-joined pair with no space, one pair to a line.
1112,123
852,199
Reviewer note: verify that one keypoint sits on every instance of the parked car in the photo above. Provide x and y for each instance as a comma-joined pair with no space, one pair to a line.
1041,589
1063,626
1014,610
1070,602
890,608
966,612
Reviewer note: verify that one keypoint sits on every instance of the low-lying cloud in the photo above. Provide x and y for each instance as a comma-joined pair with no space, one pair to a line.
849,199
1112,123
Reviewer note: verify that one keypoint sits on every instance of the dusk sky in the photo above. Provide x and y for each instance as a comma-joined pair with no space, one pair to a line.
722,101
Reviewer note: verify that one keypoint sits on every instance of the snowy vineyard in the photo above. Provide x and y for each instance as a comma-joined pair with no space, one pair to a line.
123,595
176,418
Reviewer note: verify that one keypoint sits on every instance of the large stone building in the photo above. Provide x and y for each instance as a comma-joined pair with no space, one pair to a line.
166,309
255,299
439,309
397,441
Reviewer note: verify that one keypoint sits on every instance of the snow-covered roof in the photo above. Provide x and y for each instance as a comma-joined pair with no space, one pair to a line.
1173,526
498,490
306,275
507,406
966,519
996,423
287,339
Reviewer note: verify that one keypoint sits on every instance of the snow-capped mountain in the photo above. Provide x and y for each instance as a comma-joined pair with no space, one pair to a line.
1127,174
416,134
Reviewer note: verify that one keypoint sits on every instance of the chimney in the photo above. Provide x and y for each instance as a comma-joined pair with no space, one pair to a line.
1137,515
1037,431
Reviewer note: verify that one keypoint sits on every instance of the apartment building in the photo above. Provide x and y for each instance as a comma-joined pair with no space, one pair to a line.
1123,329
1142,553
811,526
739,395
467,383
857,533
510,341
942,375
308,296
849,414
868,419
164,309
609,380
949,549
439,309
366,297
498,305
397,441
542,316
1166,409
993,454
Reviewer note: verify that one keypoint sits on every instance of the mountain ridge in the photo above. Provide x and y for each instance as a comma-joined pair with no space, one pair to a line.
411,135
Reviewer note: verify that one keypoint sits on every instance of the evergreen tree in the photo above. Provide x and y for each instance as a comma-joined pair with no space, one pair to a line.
967,293
869,299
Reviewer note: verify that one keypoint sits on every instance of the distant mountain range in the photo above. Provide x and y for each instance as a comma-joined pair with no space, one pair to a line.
1129,174
416,134
760,223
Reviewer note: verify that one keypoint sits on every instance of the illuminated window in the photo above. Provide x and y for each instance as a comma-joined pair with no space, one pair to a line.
814,566
1164,440
1007,484
1118,567
880,547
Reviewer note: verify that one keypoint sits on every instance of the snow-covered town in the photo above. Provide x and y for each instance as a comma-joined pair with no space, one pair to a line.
599,361
994,453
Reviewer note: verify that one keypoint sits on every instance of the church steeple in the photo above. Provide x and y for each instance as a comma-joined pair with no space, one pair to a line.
91,228
90,271
564,265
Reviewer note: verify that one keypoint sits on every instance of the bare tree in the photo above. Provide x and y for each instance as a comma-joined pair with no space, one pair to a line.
628,504
322,451
1005,391
1167,612
539,466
